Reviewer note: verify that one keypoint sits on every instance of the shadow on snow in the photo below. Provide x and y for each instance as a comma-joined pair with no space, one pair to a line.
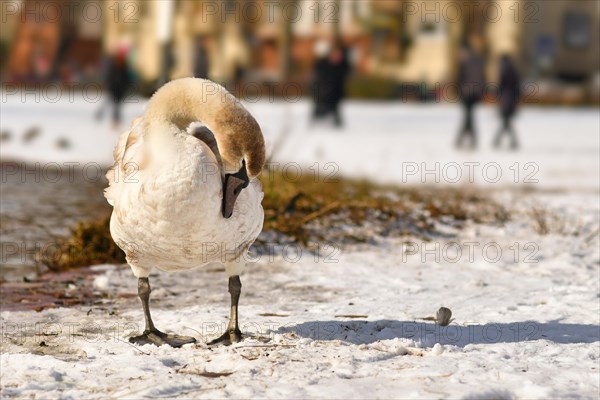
365,332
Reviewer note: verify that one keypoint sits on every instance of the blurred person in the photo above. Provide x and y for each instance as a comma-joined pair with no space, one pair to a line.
105,64
509,95
471,83
330,72
169,60
239,74
42,65
118,82
320,72
201,60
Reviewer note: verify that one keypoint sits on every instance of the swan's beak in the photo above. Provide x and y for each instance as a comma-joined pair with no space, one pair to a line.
232,187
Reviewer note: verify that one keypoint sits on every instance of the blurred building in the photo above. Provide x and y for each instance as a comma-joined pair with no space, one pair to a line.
50,40
391,42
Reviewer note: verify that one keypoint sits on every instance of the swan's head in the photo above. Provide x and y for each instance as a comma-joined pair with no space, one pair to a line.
239,138
242,149
232,159
233,184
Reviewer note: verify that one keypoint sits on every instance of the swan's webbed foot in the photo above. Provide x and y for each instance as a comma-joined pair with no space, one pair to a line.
159,338
229,337
152,335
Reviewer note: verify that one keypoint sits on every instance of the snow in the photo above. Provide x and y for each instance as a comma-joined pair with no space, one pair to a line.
101,282
526,306
524,327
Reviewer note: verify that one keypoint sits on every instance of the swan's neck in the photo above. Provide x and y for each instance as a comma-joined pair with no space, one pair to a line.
183,101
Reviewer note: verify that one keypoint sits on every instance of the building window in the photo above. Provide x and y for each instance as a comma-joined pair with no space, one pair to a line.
576,30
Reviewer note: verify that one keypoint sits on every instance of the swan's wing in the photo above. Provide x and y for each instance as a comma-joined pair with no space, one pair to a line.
129,159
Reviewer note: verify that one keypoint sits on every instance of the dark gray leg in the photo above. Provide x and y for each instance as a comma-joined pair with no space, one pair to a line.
473,135
233,333
498,138
144,291
503,130
151,334
514,142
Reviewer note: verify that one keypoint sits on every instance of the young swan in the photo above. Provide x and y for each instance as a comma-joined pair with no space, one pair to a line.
186,197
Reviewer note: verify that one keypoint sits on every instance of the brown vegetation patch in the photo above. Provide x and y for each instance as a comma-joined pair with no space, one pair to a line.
308,211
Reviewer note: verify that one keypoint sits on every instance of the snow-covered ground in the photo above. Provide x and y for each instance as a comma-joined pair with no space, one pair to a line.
349,322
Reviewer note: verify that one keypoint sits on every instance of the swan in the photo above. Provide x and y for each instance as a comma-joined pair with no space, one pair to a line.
185,195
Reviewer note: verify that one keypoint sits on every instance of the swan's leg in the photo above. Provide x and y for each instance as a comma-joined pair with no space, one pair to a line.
233,333
152,335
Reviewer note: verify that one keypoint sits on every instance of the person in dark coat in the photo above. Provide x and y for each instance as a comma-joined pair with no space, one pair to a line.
471,83
509,95
331,70
118,83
